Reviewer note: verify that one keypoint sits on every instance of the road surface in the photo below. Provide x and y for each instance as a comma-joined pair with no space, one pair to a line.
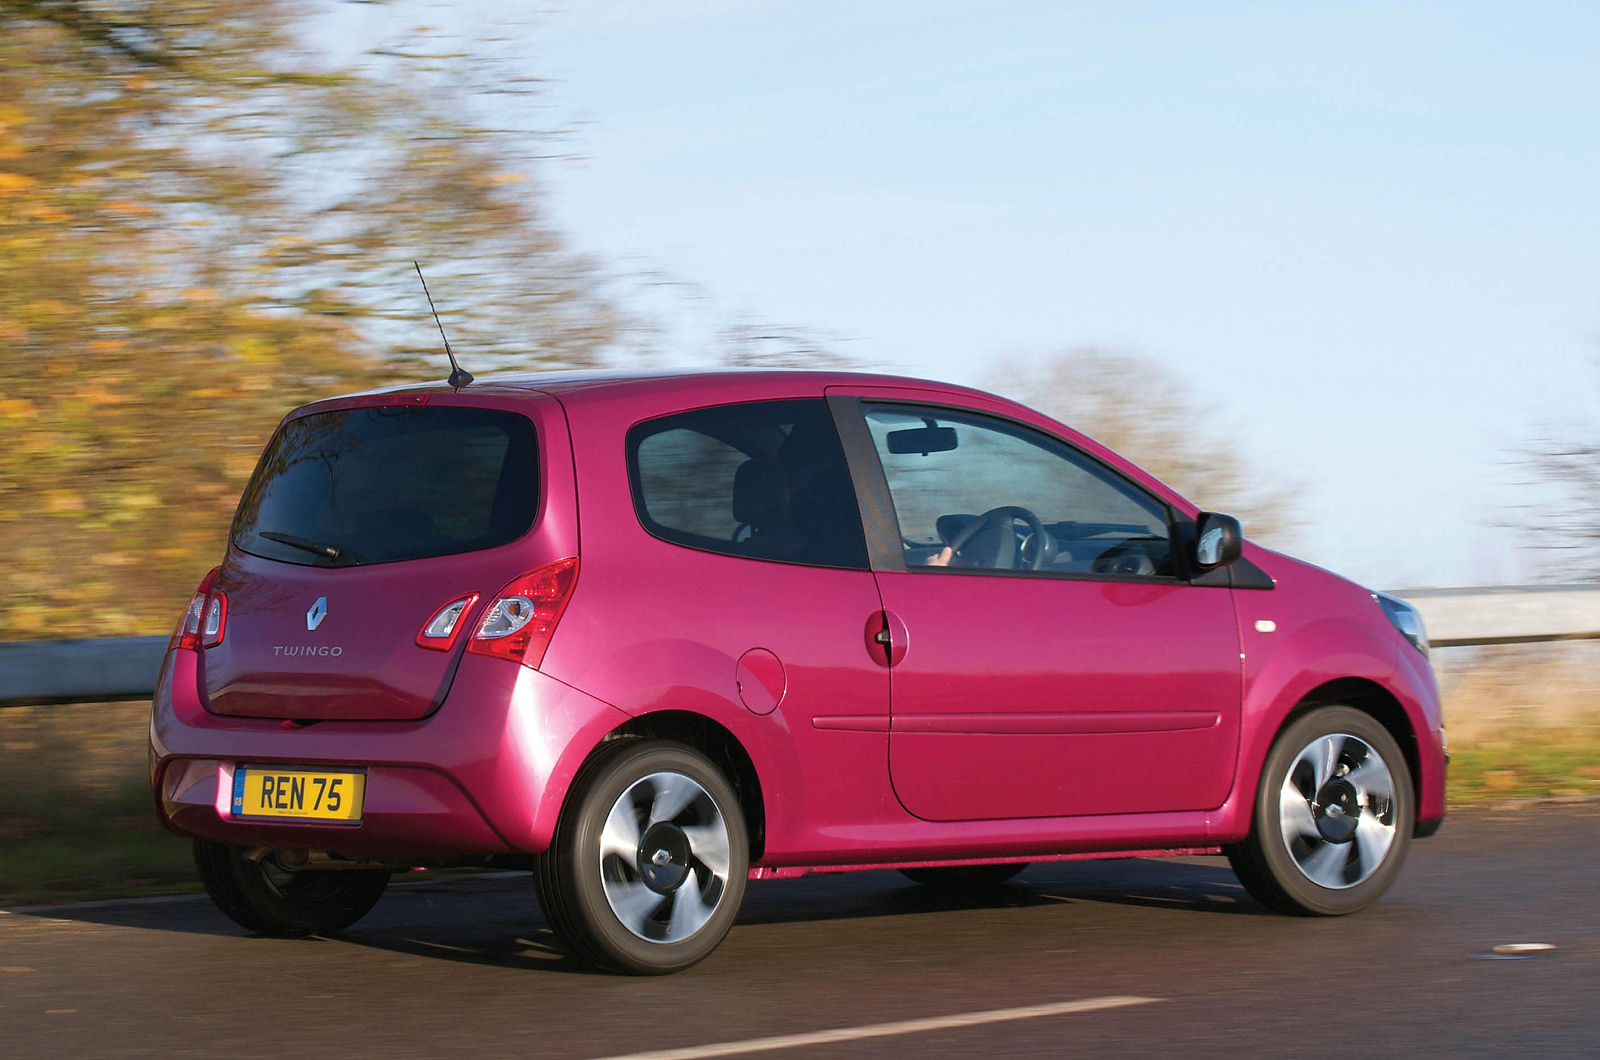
1123,958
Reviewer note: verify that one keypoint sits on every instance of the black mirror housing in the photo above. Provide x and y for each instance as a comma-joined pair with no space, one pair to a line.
1218,541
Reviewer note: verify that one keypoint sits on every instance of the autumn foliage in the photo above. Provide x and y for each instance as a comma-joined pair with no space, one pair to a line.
202,226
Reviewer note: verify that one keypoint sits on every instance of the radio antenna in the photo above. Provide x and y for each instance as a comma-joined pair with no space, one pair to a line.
459,376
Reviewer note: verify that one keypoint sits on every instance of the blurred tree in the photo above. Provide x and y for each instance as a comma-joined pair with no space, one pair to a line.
748,345
1569,528
202,226
1133,405
1565,519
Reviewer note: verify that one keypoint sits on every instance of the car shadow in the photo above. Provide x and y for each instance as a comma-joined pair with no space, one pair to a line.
494,919
1198,884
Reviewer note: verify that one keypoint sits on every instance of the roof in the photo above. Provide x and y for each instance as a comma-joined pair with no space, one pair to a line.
598,382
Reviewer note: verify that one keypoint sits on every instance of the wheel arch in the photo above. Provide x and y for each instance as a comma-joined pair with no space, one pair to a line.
718,743
1371,698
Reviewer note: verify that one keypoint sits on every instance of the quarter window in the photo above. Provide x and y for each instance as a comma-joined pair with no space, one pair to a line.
978,492
764,480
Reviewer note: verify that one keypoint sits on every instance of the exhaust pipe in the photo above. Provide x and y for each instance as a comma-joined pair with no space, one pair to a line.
299,859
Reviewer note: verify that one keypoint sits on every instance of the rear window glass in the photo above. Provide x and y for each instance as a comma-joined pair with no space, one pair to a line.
376,485
765,480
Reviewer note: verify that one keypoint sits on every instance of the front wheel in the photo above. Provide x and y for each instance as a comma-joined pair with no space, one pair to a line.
1333,816
648,865
262,896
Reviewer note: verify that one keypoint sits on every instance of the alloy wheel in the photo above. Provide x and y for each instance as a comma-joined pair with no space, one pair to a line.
1337,811
664,857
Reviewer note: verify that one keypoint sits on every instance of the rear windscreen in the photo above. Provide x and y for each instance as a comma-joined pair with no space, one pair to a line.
376,485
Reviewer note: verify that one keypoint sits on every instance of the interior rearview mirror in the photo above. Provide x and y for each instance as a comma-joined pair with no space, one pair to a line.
1218,540
922,440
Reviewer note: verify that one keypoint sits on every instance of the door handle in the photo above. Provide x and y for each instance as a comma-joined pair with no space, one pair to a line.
887,638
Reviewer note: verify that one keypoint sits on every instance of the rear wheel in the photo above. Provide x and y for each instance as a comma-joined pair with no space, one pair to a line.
1333,816
648,865
963,877
263,897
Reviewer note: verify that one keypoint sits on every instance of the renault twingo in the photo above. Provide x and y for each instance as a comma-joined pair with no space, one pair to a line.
655,635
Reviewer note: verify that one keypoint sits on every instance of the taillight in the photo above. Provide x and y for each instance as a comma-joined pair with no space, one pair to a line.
518,625
188,635
442,630
216,623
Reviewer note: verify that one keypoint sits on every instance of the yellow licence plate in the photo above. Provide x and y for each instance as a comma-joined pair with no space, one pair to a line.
317,795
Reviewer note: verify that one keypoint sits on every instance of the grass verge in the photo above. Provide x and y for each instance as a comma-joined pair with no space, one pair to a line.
76,821
1539,766
1524,721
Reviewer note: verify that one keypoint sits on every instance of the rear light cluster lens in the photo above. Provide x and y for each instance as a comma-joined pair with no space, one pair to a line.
517,626
216,620
189,624
444,628
509,614
205,622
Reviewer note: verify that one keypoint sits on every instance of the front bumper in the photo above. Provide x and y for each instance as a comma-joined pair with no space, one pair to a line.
485,774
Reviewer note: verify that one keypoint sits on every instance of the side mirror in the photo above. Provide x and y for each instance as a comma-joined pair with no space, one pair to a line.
1218,540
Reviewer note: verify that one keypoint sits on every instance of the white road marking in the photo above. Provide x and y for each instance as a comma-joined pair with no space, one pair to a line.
1523,948
885,1030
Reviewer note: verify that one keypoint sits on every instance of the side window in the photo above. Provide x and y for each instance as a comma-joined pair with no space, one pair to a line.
975,491
764,480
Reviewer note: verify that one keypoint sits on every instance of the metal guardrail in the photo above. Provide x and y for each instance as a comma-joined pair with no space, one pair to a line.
103,669
1507,614
97,670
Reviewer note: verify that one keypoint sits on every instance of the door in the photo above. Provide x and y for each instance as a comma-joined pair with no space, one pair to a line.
1056,662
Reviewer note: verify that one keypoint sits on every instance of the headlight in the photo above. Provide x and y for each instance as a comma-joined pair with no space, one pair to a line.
1407,619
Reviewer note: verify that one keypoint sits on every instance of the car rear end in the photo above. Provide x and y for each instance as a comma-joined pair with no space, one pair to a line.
359,678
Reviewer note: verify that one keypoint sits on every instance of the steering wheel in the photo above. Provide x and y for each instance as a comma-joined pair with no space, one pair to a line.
1001,518
1126,557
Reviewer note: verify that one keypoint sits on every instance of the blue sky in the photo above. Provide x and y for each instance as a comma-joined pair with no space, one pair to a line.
1368,232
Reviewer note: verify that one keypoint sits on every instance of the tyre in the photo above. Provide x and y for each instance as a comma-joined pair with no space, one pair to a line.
263,897
964,877
649,861
1333,816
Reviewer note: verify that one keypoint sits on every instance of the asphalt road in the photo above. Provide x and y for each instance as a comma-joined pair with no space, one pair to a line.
464,967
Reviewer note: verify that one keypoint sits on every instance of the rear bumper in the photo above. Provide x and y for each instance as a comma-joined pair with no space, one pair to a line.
485,774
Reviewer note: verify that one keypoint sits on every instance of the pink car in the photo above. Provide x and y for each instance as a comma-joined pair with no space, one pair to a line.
656,635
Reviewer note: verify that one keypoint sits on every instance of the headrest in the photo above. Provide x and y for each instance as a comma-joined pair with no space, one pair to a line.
759,491
809,448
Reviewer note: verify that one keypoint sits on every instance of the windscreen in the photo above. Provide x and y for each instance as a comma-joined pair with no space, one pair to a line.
381,484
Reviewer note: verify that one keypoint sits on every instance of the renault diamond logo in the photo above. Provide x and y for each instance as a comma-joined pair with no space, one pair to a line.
318,612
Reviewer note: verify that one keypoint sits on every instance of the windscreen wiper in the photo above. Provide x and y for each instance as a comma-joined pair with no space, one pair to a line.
316,548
